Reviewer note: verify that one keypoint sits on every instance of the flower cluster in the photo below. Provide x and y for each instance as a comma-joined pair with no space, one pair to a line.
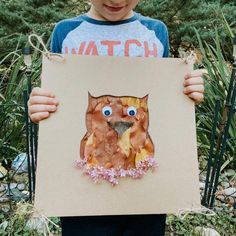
112,175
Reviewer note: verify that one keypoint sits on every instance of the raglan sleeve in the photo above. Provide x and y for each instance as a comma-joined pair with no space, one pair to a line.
164,38
161,32
55,46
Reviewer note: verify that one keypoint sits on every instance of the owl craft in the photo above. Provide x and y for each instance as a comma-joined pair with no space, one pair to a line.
117,143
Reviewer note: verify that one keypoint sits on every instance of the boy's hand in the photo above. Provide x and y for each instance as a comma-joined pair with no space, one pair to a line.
194,86
41,103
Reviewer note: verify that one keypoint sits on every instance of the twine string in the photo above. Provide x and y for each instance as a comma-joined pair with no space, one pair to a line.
45,221
51,56
37,220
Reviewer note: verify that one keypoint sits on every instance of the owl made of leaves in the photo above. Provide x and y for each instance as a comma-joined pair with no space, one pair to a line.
117,137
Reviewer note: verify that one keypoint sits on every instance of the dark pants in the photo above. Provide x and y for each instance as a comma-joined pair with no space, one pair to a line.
135,225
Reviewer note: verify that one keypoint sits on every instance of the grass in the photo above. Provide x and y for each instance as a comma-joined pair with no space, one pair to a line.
217,78
224,222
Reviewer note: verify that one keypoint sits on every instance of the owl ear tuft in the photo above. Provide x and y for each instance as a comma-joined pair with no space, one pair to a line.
145,98
92,102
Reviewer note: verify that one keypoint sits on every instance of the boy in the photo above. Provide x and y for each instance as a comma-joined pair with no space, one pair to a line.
110,28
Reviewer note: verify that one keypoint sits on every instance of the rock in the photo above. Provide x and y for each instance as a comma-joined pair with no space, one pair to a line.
218,209
230,192
21,187
202,185
38,224
206,231
225,184
202,178
4,199
221,198
5,209
21,178
3,171
230,172
13,185
20,163
16,194
230,201
2,188
25,192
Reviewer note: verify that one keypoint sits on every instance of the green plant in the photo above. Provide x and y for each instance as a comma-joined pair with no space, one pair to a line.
12,108
217,77
223,222
20,222
19,18
182,16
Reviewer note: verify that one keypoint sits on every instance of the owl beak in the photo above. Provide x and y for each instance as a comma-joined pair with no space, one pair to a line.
120,127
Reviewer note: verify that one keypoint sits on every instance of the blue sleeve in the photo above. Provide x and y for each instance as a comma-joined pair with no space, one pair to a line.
164,38
56,45
60,32
160,30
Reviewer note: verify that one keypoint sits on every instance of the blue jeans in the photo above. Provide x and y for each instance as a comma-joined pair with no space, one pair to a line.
127,225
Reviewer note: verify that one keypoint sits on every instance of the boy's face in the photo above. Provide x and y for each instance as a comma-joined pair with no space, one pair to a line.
112,10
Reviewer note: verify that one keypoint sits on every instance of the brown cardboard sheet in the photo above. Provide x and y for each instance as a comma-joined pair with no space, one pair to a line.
62,189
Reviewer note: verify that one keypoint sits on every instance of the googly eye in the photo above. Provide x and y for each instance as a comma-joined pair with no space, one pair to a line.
132,111
106,111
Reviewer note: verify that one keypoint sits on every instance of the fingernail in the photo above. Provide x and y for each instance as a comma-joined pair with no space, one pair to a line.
53,108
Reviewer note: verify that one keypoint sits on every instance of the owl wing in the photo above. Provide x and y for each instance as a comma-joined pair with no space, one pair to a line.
146,151
87,149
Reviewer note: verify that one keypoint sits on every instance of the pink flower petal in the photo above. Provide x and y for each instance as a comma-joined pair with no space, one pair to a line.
112,175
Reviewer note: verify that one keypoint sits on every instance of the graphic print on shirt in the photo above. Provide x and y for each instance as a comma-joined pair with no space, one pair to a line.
137,37
119,41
